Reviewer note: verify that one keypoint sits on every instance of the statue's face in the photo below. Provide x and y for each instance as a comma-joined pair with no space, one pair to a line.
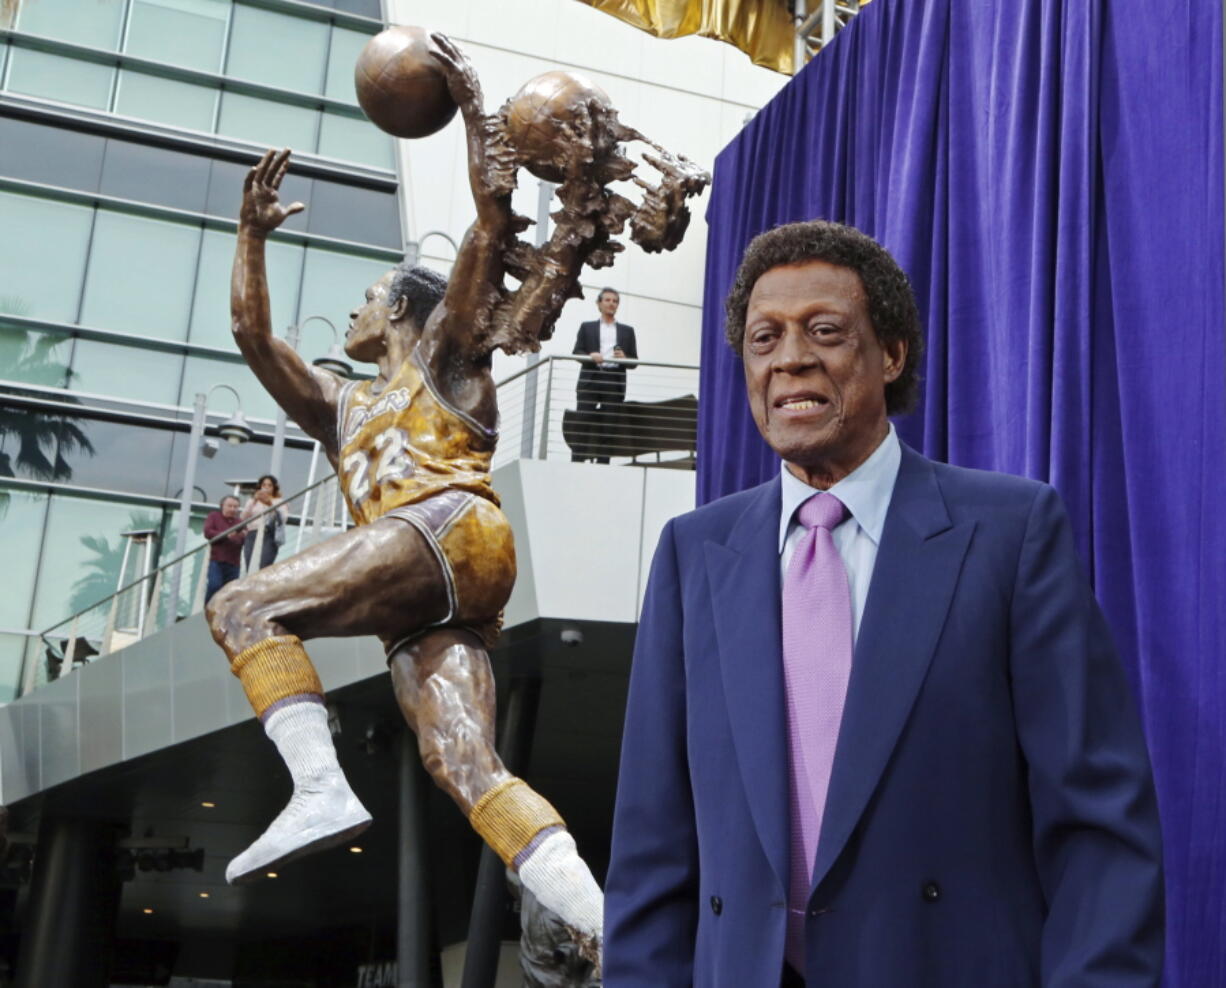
366,339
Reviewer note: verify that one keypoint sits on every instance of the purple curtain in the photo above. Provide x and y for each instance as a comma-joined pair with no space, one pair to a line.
1049,174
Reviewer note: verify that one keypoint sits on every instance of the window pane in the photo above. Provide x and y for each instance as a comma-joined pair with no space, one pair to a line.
69,80
126,371
33,357
181,32
81,558
140,275
278,50
333,283
367,8
165,101
122,457
201,373
266,123
211,308
342,57
354,140
145,173
96,23
50,154
40,276
21,515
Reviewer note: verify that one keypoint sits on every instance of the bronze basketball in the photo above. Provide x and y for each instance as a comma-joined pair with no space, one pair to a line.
536,113
400,87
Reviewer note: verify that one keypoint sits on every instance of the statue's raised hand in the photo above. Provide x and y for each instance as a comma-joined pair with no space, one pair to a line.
462,80
261,209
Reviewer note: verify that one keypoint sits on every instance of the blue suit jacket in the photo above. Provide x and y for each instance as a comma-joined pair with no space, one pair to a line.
991,819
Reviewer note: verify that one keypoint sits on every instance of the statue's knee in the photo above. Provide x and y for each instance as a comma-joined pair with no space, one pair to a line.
220,606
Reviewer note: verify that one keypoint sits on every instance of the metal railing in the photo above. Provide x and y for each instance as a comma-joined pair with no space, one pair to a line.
655,425
146,604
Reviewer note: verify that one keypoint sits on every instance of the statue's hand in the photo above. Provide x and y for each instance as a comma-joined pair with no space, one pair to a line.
261,209
462,80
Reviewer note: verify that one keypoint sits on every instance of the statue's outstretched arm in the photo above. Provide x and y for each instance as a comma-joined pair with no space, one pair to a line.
307,394
475,283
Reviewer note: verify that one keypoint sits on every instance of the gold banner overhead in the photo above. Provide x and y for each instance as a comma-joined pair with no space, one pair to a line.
761,28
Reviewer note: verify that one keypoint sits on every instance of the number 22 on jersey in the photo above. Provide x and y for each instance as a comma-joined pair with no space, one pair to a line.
391,463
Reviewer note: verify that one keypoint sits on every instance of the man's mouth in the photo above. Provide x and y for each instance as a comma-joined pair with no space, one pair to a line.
801,402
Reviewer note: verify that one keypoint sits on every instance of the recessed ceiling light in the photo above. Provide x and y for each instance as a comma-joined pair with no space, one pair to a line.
272,874
147,911
204,895
207,805
355,850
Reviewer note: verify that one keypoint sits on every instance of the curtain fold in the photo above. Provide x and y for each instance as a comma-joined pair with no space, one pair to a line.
1050,177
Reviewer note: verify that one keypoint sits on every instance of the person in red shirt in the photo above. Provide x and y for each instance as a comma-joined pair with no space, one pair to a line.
224,554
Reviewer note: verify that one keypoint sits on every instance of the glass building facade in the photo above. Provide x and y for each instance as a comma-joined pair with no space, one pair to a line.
126,127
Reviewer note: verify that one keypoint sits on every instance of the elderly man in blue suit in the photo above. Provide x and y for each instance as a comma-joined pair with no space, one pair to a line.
876,736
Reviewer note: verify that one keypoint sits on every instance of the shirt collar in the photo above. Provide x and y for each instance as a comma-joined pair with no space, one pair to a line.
866,491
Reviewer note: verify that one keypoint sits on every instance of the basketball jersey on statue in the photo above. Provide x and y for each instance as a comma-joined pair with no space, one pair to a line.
406,444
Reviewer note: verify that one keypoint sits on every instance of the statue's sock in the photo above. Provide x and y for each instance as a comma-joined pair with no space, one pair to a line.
276,671
561,880
530,836
300,732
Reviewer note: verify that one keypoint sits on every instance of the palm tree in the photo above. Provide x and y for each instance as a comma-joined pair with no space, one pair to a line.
100,574
35,443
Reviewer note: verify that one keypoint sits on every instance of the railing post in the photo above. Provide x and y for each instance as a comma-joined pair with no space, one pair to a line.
112,613
185,502
150,621
527,434
545,411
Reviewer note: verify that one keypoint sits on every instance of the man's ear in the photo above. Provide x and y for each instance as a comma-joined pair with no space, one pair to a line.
399,308
894,359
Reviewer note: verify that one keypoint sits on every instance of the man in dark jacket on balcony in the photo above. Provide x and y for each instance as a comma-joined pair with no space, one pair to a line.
612,349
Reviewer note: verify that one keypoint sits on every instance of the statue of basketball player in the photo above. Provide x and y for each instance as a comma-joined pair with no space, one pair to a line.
431,560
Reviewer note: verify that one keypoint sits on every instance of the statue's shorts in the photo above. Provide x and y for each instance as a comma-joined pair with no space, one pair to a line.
472,541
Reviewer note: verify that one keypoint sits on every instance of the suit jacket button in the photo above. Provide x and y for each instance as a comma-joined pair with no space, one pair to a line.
717,905
931,892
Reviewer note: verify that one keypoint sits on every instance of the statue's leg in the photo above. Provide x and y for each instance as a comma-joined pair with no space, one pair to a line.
378,579
445,688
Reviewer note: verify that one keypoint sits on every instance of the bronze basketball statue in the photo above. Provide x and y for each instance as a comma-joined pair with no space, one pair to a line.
431,561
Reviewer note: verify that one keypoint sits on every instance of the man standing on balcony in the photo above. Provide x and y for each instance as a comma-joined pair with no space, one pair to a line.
612,349
224,553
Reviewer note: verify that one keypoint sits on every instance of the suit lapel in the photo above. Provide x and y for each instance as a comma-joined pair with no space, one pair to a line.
917,568
743,575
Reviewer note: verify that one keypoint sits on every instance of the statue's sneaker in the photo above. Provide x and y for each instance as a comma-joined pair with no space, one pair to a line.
320,814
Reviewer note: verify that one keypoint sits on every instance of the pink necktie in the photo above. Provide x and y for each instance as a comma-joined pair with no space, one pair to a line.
817,646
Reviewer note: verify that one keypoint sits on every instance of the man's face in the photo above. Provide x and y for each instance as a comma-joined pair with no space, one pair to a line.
229,507
815,371
607,304
368,323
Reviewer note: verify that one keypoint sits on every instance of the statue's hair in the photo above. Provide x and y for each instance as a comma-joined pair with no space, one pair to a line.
422,287
891,303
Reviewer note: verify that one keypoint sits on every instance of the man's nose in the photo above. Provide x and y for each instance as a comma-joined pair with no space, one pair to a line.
795,352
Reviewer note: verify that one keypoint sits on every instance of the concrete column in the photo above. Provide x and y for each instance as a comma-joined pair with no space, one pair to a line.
69,925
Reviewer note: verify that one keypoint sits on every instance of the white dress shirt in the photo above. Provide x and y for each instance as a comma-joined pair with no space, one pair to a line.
608,337
866,492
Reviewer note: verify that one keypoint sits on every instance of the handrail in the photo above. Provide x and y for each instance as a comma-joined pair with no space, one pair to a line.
579,359
191,552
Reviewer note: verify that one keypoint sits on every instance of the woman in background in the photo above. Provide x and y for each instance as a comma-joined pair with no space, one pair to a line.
267,495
